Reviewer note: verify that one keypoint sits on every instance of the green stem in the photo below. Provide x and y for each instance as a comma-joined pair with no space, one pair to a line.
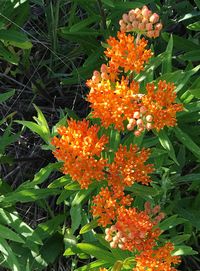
102,13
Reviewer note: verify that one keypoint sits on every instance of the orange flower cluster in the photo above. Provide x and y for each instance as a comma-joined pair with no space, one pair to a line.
113,104
129,167
132,231
80,149
157,259
107,203
160,104
124,53
141,21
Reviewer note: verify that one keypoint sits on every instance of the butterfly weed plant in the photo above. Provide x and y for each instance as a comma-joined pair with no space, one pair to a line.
119,172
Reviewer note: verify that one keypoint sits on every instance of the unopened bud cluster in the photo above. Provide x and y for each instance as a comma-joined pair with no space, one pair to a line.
142,21
141,120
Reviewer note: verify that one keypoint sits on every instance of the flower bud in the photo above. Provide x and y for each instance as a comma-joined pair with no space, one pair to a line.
158,26
141,26
125,18
134,24
154,18
143,109
129,27
149,26
149,126
137,133
136,115
139,122
130,127
149,118
104,68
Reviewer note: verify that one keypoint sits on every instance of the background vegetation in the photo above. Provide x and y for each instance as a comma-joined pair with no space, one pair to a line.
47,51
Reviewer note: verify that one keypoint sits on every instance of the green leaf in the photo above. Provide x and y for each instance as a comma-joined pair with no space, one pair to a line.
88,227
131,5
181,43
171,222
12,220
15,38
48,228
93,266
191,56
183,250
167,61
194,26
195,92
180,238
142,190
97,252
109,3
84,23
6,233
5,96
9,256
28,195
9,56
187,141
60,182
76,217
167,145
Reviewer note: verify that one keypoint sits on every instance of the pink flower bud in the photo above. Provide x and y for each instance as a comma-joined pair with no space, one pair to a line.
139,122
136,115
104,76
130,127
149,118
137,133
129,27
134,24
131,18
132,121
150,33
141,26
149,26
144,21
123,28
156,33
141,129
121,22
96,73
154,18
137,11
113,245
146,13
158,26
131,12
143,109
149,126
104,68
125,17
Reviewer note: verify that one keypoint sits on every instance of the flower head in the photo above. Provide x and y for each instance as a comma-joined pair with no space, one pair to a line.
160,104
113,103
157,259
124,53
129,166
80,149
106,204
132,231
141,21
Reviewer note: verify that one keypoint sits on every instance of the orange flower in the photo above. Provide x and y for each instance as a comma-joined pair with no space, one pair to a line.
129,167
160,104
113,103
126,54
80,149
106,204
133,230
157,260
103,269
